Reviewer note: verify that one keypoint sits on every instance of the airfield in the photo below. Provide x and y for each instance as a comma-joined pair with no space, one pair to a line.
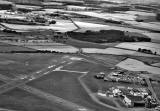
41,72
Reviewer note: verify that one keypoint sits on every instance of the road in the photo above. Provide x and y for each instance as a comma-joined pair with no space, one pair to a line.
151,89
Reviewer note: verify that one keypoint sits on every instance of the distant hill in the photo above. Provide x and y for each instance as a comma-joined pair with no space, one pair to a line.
132,1
33,2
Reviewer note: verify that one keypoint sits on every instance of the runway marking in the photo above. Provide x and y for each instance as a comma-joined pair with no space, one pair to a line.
51,66
47,72
72,71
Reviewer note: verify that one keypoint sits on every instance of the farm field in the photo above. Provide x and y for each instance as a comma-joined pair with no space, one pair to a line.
156,64
135,65
1,83
115,51
4,47
59,26
145,25
142,13
146,60
84,44
23,101
154,47
56,48
66,86
17,65
109,60
74,55
154,37
97,27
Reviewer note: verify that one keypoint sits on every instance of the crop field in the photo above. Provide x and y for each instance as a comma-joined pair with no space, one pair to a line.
97,27
62,26
15,65
1,83
135,65
154,47
7,48
58,48
115,51
147,60
66,86
154,37
84,44
140,13
156,64
23,101
110,60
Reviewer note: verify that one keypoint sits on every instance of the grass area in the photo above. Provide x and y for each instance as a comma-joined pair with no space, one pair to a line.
7,48
85,65
147,60
120,103
23,64
23,101
110,60
1,83
66,86
84,44
106,101
156,88
79,66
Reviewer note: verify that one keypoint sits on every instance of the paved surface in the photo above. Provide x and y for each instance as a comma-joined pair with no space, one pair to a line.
11,84
151,89
20,83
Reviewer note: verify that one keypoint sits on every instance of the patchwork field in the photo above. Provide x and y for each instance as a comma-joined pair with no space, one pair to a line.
135,65
58,48
115,51
17,65
154,37
62,26
154,47
7,48
97,27
1,83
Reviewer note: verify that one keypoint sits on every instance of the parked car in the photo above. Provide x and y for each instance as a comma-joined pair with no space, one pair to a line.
99,76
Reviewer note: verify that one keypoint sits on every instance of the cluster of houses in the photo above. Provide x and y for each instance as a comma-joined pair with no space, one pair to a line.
123,77
131,97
